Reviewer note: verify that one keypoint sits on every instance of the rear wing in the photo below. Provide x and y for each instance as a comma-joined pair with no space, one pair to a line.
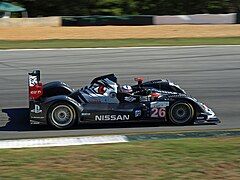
34,84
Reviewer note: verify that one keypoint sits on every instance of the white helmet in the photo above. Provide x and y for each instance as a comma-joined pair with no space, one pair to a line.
127,89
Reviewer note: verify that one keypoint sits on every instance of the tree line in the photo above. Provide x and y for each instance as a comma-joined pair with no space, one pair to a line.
38,8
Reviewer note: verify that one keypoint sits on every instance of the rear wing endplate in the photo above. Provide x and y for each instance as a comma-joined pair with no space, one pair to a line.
34,84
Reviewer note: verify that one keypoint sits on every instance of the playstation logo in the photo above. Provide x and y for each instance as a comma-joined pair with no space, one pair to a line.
37,109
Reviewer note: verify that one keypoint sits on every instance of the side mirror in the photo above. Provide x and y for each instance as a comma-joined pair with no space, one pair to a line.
139,80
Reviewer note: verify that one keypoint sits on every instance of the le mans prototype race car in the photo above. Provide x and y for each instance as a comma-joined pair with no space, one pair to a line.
104,100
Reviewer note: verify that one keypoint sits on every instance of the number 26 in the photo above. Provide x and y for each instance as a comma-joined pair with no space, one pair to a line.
158,112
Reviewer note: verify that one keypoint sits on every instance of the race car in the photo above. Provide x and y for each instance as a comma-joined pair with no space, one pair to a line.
104,100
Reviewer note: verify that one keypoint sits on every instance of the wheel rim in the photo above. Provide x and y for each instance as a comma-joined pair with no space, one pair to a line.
181,113
62,115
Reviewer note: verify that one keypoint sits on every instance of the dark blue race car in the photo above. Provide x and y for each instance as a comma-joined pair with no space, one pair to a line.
104,100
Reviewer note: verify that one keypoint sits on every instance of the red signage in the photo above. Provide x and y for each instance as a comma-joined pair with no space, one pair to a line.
36,91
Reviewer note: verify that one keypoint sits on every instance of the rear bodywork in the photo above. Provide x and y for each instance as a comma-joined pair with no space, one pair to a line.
102,101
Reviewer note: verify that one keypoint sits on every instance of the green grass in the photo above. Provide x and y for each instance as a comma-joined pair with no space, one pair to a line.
205,158
117,43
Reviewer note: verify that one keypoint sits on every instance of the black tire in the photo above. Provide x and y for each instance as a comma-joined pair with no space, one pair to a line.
181,113
62,115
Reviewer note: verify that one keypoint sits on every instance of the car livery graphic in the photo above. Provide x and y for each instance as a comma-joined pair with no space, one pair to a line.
62,107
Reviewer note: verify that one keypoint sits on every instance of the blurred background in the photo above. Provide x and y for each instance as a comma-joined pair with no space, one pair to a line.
38,8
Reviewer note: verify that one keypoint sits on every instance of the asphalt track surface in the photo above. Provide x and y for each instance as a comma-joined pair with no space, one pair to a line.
209,73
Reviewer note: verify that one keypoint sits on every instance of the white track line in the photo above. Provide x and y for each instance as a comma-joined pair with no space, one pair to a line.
68,141
147,47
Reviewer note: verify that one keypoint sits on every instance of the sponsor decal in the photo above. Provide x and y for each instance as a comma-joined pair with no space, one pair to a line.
138,113
168,92
35,91
33,80
158,112
37,117
36,109
86,114
159,104
112,117
144,98
34,122
129,98
94,101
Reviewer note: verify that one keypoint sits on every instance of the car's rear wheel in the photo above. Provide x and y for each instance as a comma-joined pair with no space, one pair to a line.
181,113
62,115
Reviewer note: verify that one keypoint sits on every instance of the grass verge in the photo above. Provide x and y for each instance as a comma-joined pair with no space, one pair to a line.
205,158
117,43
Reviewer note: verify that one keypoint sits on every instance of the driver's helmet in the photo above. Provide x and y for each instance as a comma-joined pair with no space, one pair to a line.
127,89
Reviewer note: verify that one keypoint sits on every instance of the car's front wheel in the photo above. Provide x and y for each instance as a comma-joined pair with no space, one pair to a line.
181,113
62,115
